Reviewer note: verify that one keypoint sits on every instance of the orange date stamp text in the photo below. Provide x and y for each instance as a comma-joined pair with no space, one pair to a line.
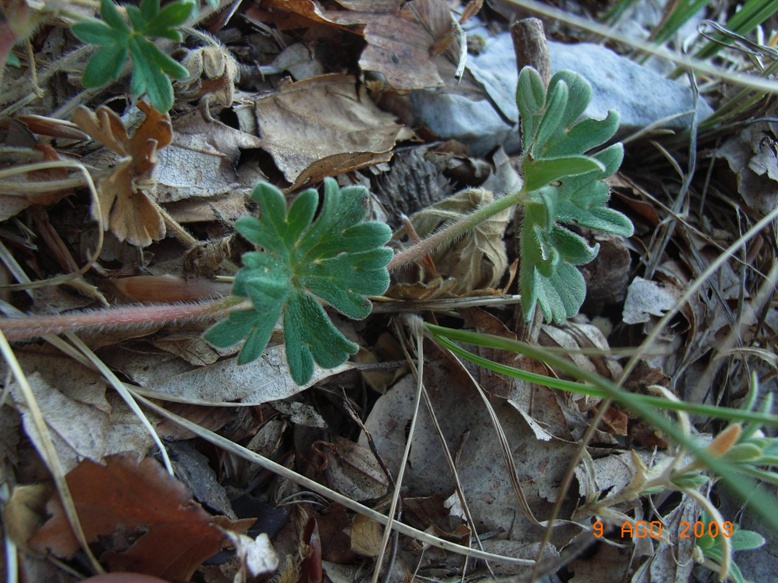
654,529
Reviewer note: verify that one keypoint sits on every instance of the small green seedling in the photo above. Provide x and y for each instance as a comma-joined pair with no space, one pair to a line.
338,258
562,185
152,68
712,548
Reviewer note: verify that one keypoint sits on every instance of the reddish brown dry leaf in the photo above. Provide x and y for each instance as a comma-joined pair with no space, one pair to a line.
147,518
311,567
432,514
324,118
124,194
288,14
616,421
334,526
351,469
49,126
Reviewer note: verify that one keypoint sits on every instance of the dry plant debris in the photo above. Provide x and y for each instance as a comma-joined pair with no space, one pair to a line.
293,92
125,203
146,519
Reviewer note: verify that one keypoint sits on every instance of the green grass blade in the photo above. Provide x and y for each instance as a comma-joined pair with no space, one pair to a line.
746,488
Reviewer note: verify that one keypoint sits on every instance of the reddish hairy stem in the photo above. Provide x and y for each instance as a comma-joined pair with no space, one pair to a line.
126,317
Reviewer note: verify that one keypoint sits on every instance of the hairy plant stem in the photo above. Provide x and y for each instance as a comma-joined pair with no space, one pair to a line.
126,317
455,230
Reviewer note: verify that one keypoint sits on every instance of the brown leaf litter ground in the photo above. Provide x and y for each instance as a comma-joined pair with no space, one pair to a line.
285,477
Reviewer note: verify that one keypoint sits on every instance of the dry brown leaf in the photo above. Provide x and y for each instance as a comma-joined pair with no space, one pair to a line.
434,514
542,408
202,161
750,154
84,421
351,469
366,535
402,45
472,439
42,187
323,121
288,14
23,513
147,519
475,262
170,378
125,202
403,38
335,530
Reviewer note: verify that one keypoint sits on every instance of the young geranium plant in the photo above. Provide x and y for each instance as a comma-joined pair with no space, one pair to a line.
117,39
563,186
338,258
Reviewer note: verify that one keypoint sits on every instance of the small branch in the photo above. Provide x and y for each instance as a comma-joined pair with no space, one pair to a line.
531,47
137,317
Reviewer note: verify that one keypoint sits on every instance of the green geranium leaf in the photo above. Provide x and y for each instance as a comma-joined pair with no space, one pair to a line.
546,170
564,185
547,276
149,9
95,33
151,67
337,258
113,18
105,64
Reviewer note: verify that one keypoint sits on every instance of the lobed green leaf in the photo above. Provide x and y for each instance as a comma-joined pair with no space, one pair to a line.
562,184
335,257
530,97
105,65
151,66
149,9
113,18
136,18
542,171
176,14
95,33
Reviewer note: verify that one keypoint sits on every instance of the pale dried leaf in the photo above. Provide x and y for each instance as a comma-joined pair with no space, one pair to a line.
323,117
366,535
477,261
257,556
169,378
353,470
751,156
83,421
203,159
648,298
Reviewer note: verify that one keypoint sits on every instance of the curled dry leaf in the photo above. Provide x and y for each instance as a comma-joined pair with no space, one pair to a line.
125,194
475,262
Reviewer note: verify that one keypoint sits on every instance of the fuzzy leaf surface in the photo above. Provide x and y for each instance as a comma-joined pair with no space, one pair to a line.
338,258
564,185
